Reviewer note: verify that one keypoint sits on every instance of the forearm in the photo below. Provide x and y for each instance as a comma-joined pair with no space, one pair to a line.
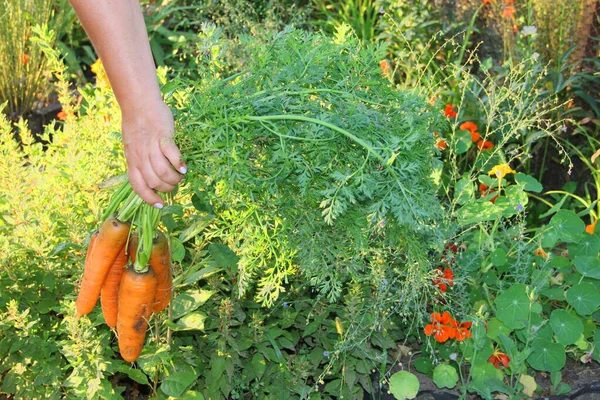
118,33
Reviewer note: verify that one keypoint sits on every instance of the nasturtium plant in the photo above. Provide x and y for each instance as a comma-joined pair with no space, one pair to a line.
567,328
567,225
445,376
513,306
584,297
404,385
547,356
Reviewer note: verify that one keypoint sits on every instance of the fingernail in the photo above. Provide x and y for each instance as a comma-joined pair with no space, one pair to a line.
183,169
158,205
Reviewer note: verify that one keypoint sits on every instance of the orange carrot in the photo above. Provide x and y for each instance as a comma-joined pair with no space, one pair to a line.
160,261
109,295
109,242
136,296
132,247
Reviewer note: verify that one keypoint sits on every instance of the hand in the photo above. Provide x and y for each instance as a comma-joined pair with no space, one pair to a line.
153,158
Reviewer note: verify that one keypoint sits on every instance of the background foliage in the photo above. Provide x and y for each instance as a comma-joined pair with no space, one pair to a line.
301,271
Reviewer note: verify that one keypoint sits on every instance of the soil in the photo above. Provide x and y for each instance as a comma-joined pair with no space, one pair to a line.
584,380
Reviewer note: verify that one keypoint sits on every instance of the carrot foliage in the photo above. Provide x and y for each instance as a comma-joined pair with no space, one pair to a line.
313,159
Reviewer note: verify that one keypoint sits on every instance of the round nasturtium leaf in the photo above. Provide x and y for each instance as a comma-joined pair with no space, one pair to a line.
495,327
513,306
588,266
588,245
567,225
498,257
404,385
482,371
567,328
584,297
547,356
445,376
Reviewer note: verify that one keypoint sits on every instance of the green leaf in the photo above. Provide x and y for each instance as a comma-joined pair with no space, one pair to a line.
529,183
224,257
483,371
584,297
547,356
588,266
404,385
513,306
566,327
424,365
177,383
192,395
567,225
196,227
477,211
588,246
498,257
135,374
495,327
464,190
177,250
189,322
445,376
259,365
189,301
462,142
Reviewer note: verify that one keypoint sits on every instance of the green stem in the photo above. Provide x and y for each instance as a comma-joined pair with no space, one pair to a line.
302,118
117,199
467,36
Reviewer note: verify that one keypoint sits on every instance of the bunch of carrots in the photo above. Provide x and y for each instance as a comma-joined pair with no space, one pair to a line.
128,266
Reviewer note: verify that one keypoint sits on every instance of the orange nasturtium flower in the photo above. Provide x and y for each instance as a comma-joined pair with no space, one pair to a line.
498,358
487,2
484,145
62,115
445,279
540,252
442,144
444,327
484,190
509,12
471,127
385,65
591,227
449,111
25,58
463,332
501,170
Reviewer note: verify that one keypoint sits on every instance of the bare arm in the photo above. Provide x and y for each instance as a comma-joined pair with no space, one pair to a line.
118,33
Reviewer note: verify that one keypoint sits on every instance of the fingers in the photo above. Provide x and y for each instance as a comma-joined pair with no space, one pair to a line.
162,170
139,185
170,150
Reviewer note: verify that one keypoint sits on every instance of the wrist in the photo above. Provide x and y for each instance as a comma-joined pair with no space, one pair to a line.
141,106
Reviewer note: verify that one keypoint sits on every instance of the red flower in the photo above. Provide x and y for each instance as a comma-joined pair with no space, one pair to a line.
25,58
62,115
487,2
445,279
484,145
449,111
442,144
452,247
463,332
471,127
444,327
499,358
509,12
484,190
